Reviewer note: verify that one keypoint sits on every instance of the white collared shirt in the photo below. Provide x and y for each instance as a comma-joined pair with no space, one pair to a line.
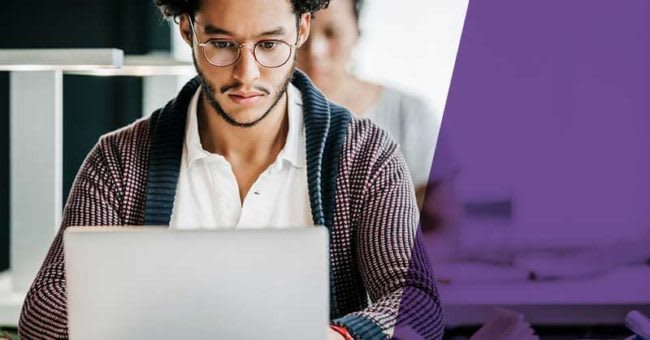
207,193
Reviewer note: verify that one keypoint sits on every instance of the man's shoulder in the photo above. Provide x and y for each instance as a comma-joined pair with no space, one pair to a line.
118,158
137,128
369,155
127,142
367,149
366,137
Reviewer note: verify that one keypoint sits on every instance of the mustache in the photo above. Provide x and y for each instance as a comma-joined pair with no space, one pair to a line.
236,85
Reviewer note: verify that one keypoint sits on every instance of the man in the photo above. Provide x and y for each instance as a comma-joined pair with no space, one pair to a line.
251,142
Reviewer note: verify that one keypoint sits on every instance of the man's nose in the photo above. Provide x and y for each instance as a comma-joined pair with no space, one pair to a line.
246,69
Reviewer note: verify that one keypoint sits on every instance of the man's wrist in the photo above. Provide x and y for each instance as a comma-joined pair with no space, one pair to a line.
343,331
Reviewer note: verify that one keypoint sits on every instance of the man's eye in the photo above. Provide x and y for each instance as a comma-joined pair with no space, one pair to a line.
268,45
222,44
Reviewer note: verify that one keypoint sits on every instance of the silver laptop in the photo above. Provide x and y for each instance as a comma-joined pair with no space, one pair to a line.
157,283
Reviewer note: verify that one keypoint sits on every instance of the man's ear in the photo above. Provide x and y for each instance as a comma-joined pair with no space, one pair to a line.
303,30
185,29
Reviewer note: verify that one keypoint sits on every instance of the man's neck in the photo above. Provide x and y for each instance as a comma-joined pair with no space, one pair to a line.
249,150
254,144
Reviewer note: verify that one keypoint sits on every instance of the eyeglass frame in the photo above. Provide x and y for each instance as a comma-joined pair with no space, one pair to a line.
239,48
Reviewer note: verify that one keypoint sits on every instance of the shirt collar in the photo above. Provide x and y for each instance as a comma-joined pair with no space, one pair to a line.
193,145
294,148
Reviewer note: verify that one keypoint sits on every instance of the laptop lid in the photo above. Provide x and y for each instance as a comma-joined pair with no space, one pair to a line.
157,283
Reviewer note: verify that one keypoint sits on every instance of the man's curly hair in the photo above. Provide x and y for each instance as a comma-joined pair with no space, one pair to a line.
172,9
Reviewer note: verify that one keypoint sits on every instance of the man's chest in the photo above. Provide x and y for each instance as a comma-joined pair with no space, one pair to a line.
208,197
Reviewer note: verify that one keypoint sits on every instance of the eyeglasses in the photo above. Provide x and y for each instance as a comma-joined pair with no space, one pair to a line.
271,53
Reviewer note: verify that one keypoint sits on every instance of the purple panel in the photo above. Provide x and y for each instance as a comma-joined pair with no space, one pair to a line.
548,117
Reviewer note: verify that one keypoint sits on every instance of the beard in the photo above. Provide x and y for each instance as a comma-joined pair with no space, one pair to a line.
208,91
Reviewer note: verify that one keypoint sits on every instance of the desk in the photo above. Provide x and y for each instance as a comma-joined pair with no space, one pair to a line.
600,300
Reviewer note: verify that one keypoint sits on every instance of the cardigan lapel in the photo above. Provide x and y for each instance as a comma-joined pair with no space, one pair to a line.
326,127
167,132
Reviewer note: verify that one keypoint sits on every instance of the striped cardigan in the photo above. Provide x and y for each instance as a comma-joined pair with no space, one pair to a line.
359,188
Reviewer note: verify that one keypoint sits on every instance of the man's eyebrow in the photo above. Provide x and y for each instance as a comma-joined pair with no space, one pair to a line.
211,29
275,31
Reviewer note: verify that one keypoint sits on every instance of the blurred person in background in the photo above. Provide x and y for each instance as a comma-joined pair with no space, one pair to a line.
326,56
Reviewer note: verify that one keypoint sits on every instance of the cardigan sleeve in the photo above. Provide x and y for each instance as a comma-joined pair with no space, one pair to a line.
393,264
92,201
